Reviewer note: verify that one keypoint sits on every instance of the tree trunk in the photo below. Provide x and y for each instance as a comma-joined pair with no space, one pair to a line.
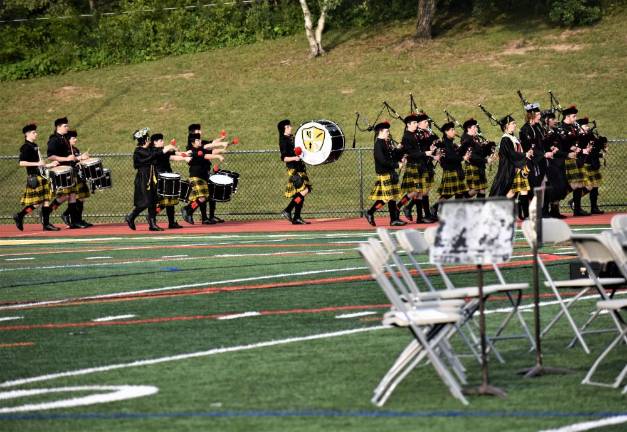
314,37
320,27
92,6
426,11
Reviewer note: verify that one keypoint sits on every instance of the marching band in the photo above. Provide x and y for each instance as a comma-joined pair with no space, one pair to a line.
562,156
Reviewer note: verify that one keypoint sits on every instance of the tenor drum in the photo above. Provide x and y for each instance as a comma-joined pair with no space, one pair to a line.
321,141
233,175
92,168
220,187
185,191
62,177
169,185
103,182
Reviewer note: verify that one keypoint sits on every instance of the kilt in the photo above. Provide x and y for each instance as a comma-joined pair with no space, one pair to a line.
451,184
290,190
520,183
66,191
199,188
412,180
384,189
38,194
82,189
475,179
170,201
574,174
593,177
427,180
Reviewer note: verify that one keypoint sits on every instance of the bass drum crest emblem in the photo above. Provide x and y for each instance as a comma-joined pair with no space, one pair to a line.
313,138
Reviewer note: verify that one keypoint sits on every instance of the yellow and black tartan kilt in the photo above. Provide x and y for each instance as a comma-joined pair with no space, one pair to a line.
593,177
66,191
82,189
451,184
574,174
290,190
412,180
170,201
520,183
40,193
199,188
385,189
475,179
426,182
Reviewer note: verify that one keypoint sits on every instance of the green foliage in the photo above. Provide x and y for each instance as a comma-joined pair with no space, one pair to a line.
561,12
574,12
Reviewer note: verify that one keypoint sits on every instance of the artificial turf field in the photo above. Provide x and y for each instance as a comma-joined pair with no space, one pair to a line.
217,328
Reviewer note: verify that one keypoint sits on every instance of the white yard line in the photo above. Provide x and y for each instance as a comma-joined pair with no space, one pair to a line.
594,424
239,315
174,256
19,259
11,318
98,257
113,318
355,315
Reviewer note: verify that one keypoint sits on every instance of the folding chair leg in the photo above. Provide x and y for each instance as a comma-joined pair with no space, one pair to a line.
621,376
490,348
515,311
408,354
471,346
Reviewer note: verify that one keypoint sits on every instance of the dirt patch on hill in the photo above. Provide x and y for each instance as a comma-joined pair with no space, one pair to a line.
67,93
518,46
565,47
184,75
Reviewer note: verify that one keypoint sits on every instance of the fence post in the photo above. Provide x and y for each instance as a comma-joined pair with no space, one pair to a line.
361,183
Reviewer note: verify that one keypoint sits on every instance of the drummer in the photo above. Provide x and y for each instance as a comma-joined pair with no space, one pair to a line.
165,154
199,166
298,185
37,191
82,187
59,150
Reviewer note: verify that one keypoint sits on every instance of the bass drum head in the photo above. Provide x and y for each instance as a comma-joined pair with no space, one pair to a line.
321,141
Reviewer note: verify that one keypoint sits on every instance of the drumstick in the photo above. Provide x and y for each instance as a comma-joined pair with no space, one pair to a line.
235,141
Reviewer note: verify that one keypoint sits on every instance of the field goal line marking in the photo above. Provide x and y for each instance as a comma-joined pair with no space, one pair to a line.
594,424
178,357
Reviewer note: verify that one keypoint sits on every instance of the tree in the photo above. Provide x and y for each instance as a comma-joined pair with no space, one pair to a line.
426,11
315,37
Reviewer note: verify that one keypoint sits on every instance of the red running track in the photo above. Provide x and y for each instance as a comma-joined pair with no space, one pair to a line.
349,224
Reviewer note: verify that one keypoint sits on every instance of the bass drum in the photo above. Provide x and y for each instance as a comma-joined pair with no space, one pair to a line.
321,141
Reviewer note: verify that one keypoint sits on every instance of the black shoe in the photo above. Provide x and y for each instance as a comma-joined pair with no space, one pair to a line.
407,213
87,224
75,226
130,221
580,212
66,219
174,225
80,224
300,221
51,227
425,220
370,219
287,215
209,222
186,216
19,221
596,210
398,222
217,219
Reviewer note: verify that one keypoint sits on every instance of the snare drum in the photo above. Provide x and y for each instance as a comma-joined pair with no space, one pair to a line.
220,187
185,191
322,141
92,168
62,177
103,182
233,175
169,185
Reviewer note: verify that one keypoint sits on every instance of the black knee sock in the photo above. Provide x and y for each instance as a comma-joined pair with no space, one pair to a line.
594,197
425,206
203,209
523,202
480,195
295,199
192,206
577,199
411,204
403,201
73,212
393,210
418,203
54,204
45,215
584,192
376,206
79,210
299,207
170,212
26,210
212,209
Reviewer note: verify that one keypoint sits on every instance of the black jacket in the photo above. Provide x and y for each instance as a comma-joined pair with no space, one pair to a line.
286,146
386,157
510,160
144,160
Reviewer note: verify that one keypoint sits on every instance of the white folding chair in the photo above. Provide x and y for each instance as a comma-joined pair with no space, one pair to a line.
428,323
556,231
612,307
502,287
619,226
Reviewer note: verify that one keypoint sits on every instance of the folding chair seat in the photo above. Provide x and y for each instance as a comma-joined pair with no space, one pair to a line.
556,231
502,286
613,307
430,324
619,227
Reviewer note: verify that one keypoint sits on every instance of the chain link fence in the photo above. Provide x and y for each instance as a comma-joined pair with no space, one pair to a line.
340,189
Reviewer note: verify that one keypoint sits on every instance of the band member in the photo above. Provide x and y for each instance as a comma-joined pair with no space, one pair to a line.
37,191
532,138
165,154
510,181
415,166
428,143
593,150
59,150
298,184
557,186
215,147
145,196
568,132
477,153
386,189
199,167
82,188
452,184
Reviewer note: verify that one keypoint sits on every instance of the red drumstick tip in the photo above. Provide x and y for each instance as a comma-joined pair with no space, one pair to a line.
200,153
223,133
298,151
216,168
235,140
173,141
